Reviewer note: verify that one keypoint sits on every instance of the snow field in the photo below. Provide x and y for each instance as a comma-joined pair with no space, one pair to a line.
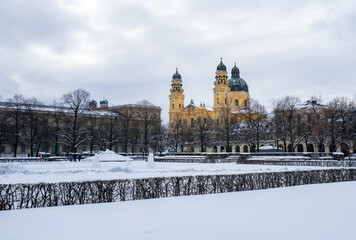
35,172
320,211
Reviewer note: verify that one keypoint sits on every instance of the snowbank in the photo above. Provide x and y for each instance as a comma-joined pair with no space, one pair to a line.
108,156
320,211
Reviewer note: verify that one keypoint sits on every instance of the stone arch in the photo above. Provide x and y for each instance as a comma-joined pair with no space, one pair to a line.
290,148
245,148
222,148
345,149
332,148
237,148
300,148
215,149
310,148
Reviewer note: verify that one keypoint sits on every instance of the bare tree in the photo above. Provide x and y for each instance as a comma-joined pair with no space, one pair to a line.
16,114
159,139
108,130
125,118
226,128
75,133
176,134
203,132
148,123
339,122
35,127
4,128
255,123
56,125
288,121
92,130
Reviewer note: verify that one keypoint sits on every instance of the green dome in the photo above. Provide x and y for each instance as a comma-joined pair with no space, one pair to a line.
104,101
238,84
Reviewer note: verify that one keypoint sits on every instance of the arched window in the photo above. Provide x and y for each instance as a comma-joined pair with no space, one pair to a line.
217,101
237,148
172,105
180,106
192,122
300,148
225,100
290,148
310,148
245,103
237,102
345,149
245,148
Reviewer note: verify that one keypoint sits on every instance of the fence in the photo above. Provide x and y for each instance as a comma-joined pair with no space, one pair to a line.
16,196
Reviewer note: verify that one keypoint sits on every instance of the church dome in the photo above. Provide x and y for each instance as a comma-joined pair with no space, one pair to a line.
177,75
235,82
221,66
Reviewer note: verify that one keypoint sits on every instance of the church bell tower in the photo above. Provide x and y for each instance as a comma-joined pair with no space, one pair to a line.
221,87
176,98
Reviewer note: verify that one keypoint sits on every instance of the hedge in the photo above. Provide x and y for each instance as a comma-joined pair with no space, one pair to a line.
17,196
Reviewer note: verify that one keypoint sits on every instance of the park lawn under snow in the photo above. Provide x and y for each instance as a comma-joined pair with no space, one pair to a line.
35,172
321,211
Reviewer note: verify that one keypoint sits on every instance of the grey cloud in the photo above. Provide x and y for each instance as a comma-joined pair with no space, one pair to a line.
301,48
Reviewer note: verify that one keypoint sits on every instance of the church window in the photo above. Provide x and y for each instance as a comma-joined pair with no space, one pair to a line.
217,94
245,103
172,100
192,122
180,106
236,102
226,94
225,100
173,106
217,101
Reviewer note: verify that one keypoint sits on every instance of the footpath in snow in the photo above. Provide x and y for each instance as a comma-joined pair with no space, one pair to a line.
318,212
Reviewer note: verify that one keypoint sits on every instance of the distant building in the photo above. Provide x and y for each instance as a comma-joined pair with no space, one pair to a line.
124,123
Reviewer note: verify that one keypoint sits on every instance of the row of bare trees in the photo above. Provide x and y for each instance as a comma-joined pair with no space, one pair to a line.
289,124
70,124
331,124
31,124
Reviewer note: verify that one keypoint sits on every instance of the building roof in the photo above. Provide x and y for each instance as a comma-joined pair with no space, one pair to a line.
221,66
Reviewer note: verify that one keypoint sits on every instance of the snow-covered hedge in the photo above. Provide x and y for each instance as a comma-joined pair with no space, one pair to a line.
15,196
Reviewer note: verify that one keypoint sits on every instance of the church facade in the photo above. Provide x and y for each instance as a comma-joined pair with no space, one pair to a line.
229,94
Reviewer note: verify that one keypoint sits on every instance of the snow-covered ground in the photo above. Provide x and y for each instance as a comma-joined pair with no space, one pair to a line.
34,172
318,212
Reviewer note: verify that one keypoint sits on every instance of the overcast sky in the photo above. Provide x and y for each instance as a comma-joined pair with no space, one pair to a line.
127,51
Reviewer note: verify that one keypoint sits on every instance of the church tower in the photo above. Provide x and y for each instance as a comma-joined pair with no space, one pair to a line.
176,98
221,89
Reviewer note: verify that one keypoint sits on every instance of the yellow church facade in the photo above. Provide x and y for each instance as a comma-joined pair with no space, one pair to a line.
230,94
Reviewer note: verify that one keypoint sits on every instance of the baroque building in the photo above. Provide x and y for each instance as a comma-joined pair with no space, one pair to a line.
229,93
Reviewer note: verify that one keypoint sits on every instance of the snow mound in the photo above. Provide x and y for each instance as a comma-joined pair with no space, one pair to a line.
108,156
